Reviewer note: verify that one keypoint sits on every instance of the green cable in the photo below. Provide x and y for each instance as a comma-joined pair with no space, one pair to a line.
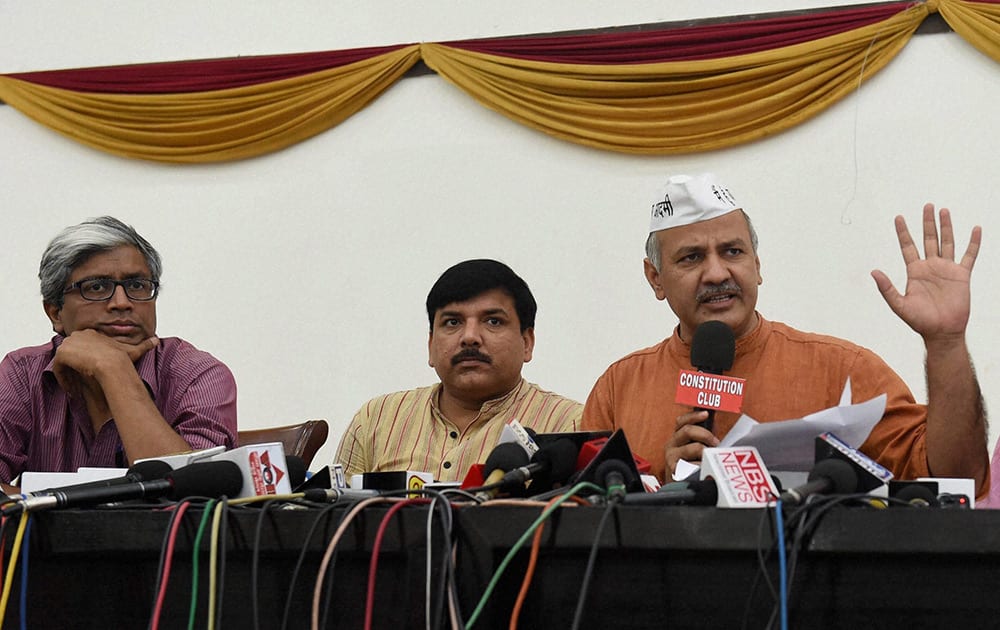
520,542
207,511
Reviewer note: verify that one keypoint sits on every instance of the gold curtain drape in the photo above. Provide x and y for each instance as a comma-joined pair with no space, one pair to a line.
977,22
677,107
645,108
215,125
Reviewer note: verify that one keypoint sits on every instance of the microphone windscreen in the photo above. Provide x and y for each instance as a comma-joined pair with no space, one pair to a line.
148,470
608,466
713,347
296,470
206,479
917,494
560,457
506,457
705,493
842,477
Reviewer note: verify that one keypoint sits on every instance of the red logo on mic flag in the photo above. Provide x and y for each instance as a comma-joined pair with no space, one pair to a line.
710,391
740,474
266,475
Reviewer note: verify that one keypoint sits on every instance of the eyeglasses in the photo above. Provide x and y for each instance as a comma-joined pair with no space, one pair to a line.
101,289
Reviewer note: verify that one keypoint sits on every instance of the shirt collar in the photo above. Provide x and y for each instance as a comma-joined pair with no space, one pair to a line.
489,409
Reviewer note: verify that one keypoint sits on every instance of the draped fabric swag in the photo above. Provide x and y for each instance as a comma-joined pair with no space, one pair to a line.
657,92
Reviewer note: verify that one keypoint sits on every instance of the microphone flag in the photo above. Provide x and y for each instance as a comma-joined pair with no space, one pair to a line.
741,476
263,466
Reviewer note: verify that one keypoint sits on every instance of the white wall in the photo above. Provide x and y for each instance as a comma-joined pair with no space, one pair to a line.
306,270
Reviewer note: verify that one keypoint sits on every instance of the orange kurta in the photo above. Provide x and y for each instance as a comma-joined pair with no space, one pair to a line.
789,374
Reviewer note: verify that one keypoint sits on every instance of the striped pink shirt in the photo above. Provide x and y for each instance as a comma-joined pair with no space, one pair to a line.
407,431
43,430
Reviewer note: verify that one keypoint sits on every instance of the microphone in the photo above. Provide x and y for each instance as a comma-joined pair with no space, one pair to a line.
616,476
916,493
701,492
145,470
504,458
613,467
713,349
552,464
212,479
828,476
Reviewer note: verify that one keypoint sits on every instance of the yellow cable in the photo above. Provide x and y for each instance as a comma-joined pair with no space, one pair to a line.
213,564
12,564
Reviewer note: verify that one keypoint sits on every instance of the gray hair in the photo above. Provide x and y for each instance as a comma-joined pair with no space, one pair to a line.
653,244
77,243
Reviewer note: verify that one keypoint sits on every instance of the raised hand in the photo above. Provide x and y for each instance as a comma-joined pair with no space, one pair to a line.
936,303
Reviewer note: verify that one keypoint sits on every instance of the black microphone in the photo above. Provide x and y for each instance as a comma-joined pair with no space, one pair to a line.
210,479
550,465
145,470
828,476
504,458
699,492
616,476
713,349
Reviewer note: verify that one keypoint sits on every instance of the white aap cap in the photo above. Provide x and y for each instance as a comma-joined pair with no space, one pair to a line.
687,199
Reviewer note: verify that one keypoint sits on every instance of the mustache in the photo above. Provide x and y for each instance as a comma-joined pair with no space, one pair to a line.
727,287
470,354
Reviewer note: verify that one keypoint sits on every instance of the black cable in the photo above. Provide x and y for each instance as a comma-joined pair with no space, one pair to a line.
301,560
255,562
591,561
766,517
440,502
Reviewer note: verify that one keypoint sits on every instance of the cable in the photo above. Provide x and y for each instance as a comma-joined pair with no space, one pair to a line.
163,555
218,565
265,498
591,561
761,567
536,543
520,542
24,577
12,563
255,563
175,521
782,567
373,562
223,552
3,529
205,513
433,614
298,564
329,552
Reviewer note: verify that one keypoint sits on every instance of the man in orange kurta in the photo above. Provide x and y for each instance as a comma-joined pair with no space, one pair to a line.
702,259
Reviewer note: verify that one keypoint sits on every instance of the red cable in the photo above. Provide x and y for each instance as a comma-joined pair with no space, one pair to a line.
154,624
373,565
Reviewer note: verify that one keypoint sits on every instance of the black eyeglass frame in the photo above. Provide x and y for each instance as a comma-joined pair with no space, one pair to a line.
78,286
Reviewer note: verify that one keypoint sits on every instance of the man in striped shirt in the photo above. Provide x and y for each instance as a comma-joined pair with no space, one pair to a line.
106,390
482,331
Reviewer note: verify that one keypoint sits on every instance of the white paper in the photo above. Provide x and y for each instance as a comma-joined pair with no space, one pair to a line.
35,481
790,444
